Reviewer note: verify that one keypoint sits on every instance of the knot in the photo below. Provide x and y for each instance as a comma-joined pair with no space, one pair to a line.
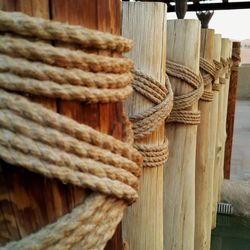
147,121
182,102
209,76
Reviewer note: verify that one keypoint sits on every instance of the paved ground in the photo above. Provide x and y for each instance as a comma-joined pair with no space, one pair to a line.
240,165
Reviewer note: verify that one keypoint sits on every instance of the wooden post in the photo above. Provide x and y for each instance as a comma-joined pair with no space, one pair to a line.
214,135
29,201
231,108
145,23
179,171
203,168
220,134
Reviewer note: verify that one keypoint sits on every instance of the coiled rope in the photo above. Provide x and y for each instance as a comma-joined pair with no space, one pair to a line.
147,121
55,146
236,59
182,103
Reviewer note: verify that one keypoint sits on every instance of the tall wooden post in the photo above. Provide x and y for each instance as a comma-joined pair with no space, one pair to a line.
179,171
30,201
231,108
203,168
213,134
145,23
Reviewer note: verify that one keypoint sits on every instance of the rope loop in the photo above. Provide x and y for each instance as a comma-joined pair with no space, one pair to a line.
180,114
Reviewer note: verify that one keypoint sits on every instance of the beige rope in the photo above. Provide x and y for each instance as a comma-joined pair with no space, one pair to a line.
55,146
236,59
146,122
208,74
24,25
183,102
218,68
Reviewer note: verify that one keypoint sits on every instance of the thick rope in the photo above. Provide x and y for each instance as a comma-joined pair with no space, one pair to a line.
208,74
147,121
55,146
180,114
24,25
218,69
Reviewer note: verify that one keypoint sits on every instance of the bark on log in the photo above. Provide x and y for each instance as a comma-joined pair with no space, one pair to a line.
203,168
179,171
145,23
29,201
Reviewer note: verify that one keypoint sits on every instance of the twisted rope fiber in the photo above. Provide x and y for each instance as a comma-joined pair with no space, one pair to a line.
180,114
208,74
147,121
24,25
236,59
218,68
55,146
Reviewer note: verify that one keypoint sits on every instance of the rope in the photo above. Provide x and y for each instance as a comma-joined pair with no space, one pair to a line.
182,102
55,146
236,59
24,25
208,74
218,69
147,121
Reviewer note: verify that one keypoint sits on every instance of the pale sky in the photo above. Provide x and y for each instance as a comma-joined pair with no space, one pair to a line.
233,24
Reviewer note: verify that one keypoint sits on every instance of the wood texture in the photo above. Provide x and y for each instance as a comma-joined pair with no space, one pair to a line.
203,168
145,23
29,201
220,134
179,171
231,116
213,154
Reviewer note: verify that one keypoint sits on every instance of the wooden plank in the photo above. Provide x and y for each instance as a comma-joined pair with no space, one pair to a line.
231,114
145,23
213,132
179,171
36,210
203,168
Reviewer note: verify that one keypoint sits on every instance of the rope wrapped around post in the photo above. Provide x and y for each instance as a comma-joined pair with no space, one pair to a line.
208,74
180,113
236,59
146,122
55,146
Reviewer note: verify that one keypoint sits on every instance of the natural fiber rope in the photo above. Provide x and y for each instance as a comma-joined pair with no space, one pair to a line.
55,146
218,68
208,74
147,121
24,25
182,102
236,59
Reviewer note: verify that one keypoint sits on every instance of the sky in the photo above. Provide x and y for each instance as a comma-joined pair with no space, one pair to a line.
233,24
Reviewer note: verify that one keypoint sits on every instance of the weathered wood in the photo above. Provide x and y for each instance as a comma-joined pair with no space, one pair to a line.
213,136
30,201
145,23
179,171
226,54
231,114
203,168
220,135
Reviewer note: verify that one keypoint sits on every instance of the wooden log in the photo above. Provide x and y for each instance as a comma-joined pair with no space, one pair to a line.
226,54
203,168
145,23
213,136
29,201
179,171
231,110
220,135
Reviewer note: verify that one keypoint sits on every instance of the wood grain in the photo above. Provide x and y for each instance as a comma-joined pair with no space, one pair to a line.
203,168
179,171
145,23
213,154
231,116
29,201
